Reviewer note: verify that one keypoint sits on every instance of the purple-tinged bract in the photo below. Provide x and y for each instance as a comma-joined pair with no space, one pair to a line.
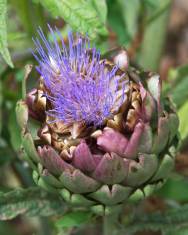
78,84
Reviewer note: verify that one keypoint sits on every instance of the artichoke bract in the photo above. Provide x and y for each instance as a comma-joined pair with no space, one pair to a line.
95,130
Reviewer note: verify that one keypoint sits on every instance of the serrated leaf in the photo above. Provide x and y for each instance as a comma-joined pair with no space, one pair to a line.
79,14
3,33
183,128
73,219
101,8
32,202
169,221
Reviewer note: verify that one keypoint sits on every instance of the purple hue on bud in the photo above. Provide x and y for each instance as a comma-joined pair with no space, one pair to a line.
79,86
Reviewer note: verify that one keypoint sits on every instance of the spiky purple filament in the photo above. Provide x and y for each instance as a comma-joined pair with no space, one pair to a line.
80,88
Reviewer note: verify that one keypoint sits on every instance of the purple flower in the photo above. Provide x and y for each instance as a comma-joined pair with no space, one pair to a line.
78,84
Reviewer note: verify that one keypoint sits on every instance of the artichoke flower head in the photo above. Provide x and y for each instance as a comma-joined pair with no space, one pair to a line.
102,132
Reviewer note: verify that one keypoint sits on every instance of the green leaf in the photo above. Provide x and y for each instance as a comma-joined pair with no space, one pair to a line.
3,33
32,202
176,188
117,23
152,3
14,130
130,12
160,8
101,9
72,219
81,15
183,231
30,16
5,228
154,36
178,89
183,128
169,221
1,102
6,155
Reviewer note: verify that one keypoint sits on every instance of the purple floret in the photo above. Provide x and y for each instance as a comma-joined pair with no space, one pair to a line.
80,88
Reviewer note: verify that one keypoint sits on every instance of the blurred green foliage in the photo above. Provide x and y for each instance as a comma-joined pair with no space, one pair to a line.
3,33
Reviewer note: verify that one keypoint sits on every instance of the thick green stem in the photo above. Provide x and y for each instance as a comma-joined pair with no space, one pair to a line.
110,223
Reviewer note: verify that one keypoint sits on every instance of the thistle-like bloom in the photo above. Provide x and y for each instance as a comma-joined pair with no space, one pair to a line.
104,133
77,82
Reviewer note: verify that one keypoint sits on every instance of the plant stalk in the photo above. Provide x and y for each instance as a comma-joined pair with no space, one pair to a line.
110,224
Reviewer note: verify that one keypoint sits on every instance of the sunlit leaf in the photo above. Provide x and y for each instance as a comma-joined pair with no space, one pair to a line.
81,15
3,33
72,219
101,9
182,113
